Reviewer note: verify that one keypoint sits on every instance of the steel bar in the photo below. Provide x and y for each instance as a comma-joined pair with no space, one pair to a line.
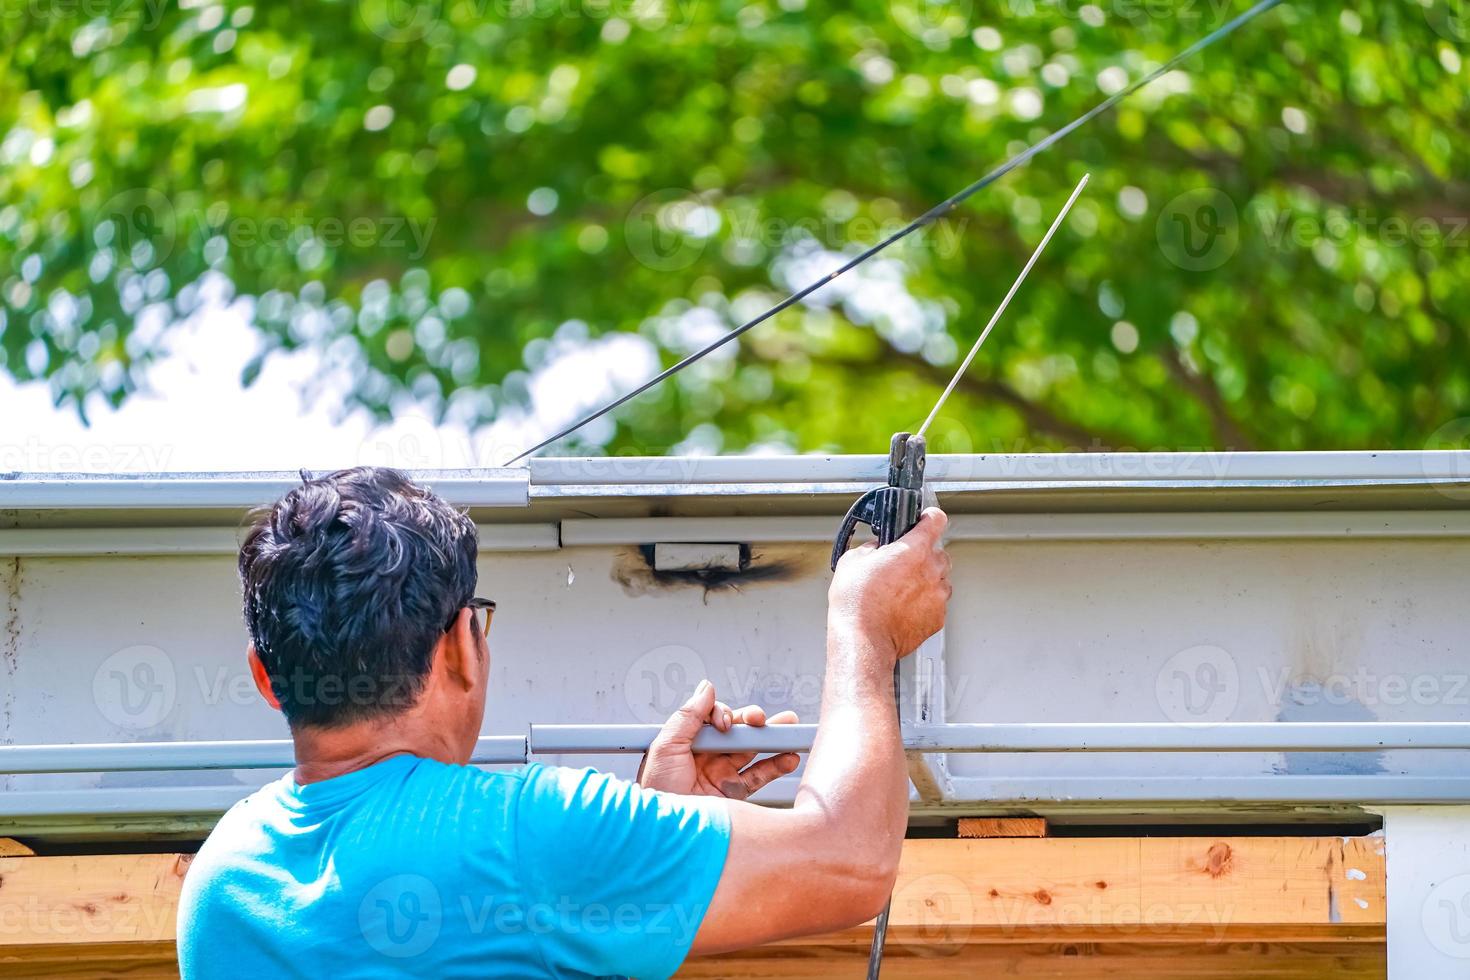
1050,737
169,756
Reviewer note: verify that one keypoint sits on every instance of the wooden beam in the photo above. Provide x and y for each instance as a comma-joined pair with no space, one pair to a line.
10,847
1139,889
978,827
1039,907
133,961
89,900
1059,961
1360,892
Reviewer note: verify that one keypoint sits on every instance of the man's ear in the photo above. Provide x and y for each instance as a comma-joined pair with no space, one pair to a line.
261,677
458,653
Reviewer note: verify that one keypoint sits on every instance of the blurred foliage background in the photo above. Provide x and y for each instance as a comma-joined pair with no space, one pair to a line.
449,198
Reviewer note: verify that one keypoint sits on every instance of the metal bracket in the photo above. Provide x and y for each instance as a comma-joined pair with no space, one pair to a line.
923,679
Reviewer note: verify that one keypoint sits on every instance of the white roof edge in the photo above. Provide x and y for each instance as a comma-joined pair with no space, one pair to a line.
1194,468
173,491
697,475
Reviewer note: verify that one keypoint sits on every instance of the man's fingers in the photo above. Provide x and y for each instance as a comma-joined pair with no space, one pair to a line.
931,525
685,723
862,551
738,760
752,714
768,770
721,716
939,517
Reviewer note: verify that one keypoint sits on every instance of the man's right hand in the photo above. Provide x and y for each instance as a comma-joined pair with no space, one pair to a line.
895,593
830,860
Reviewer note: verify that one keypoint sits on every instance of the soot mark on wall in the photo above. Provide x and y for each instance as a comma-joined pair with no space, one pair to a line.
633,570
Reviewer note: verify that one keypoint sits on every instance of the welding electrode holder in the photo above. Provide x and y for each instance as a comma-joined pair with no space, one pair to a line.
891,511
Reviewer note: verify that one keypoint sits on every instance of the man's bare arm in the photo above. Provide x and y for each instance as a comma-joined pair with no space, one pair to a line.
829,862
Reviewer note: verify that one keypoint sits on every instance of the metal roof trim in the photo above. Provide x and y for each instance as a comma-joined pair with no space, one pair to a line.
599,475
234,491
717,476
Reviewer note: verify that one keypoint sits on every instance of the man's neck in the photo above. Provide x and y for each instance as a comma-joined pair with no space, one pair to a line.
322,753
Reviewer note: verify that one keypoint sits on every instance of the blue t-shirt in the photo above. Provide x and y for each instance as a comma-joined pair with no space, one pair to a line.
414,868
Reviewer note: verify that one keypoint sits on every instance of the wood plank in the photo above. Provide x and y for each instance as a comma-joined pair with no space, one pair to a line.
10,847
979,827
1037,961
99,898
1193,907
1060,961
130,961
1361,887
1147,887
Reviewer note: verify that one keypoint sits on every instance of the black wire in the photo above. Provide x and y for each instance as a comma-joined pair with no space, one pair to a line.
934,213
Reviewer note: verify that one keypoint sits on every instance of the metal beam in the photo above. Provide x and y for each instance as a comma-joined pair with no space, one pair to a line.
167,756
1166,526
1286,790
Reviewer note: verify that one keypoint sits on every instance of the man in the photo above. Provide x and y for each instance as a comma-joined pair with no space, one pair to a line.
384,854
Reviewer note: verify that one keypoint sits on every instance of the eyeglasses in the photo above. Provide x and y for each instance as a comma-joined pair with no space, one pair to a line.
488,605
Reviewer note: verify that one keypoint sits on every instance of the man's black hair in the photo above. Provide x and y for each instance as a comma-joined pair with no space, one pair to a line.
350,580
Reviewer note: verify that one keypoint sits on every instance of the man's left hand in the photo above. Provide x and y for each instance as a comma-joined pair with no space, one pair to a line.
672,766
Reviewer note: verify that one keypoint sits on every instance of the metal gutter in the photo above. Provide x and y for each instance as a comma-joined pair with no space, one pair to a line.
1126,468
567,487
181,491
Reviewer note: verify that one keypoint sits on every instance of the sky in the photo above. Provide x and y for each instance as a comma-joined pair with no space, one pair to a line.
194,414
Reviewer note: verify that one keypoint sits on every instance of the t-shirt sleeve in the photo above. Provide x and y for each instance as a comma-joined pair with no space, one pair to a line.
618,878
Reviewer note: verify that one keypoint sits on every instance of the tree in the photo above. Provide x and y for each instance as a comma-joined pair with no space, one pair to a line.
443,196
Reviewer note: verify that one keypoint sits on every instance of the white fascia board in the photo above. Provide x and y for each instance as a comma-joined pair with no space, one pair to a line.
76,542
